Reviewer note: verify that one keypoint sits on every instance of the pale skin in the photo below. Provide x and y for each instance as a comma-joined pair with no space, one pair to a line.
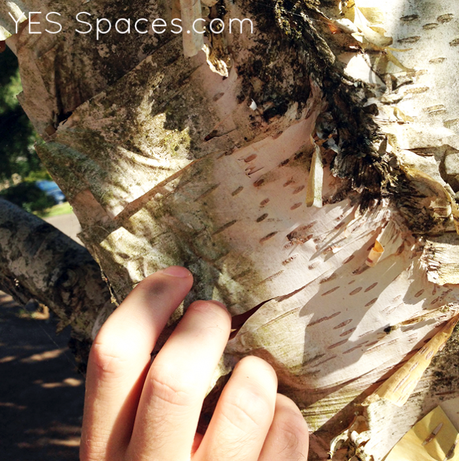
141,411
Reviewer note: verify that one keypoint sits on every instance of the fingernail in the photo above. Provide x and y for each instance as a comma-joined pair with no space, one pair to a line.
177,271
218,303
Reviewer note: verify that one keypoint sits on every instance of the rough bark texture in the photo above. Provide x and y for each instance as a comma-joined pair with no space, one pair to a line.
209,162
38,261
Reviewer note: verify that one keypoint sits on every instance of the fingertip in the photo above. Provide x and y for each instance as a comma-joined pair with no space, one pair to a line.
176,271
171,279
205,305
170,275
252,361
210,313
286,404
259,375
224,309
218,303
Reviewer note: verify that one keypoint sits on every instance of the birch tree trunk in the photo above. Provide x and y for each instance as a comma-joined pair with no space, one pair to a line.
306,173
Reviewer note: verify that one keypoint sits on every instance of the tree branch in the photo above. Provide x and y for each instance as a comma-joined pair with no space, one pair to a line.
38,261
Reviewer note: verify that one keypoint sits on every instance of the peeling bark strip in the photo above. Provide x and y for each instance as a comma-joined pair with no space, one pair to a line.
314,189
192,38
148,134
399,387
38,261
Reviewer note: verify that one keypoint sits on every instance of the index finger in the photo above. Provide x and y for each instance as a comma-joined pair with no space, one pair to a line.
120,358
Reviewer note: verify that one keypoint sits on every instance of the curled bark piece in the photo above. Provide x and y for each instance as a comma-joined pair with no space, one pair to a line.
383,241
398,388
315,180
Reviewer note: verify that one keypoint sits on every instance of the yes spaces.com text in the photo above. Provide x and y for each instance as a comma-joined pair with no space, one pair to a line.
101,26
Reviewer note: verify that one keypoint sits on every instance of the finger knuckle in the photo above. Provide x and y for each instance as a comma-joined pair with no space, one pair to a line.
93,448
108,357
171,390
247,409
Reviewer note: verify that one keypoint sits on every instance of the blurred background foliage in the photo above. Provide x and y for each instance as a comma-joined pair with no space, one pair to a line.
17,135
19,163
27,196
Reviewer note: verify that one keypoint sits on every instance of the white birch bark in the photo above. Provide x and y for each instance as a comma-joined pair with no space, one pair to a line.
167,162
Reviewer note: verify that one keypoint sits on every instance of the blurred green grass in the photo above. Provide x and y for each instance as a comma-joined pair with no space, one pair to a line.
57,210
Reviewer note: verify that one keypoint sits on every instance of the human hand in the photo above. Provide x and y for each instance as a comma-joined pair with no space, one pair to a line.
141,411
